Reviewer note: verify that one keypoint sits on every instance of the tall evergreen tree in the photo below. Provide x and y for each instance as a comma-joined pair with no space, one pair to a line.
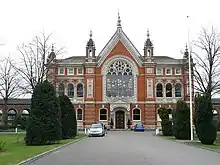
181,120
44,125
206,131
68,117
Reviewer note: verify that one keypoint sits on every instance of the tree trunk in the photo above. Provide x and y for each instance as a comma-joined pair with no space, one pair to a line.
5,112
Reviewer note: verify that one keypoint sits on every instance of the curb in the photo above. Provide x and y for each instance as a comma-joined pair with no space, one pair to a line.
32,159
204,148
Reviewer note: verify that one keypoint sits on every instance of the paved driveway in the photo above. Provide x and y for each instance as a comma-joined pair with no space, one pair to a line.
129,148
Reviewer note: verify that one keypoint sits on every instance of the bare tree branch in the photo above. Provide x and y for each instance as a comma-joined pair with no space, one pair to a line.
9,80
37,55
207,68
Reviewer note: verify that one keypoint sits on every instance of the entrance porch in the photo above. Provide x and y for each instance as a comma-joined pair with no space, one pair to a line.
120,118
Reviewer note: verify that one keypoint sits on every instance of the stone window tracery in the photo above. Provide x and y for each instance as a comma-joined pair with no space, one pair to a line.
61,89
80,90
70,90
168,90
159,90
178,90
119,80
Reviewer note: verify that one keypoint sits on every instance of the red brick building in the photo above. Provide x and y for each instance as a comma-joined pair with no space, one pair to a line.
120,83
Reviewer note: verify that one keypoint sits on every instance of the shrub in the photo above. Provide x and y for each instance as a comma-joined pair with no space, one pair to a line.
21,122
206,131
2,146
218,128
165,123
68,118
181,120
44,126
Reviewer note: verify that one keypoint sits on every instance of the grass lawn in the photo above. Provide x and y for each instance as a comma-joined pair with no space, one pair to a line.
216,145
16,150
168,137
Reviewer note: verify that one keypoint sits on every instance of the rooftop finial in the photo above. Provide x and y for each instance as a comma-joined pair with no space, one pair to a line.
186,47
119,20
148,34
186,53
52,49
90,34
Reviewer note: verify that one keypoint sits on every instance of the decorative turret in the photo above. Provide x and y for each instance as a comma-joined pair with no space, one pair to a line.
148,48
90,47
52,55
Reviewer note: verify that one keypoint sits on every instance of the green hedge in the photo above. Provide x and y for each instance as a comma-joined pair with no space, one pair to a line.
165,123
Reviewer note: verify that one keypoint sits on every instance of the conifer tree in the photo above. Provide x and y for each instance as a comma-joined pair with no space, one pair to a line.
68,118
206,131
181,120
44,125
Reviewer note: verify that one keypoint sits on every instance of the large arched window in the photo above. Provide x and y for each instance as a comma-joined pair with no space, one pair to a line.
70,90
159,90
79,114
178,90
11,114
119,80
103,114
61,89
79,90
168,90
136,114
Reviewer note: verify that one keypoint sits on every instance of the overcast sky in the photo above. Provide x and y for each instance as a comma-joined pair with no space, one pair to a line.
70,22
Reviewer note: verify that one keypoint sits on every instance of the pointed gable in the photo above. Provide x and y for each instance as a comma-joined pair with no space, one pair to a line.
119,48
118,43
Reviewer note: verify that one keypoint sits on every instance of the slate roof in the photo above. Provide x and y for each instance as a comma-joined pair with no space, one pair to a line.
167,60
72,60
216,100
16,102
158,60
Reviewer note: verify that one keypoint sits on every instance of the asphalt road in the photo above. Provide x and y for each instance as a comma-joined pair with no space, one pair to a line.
129,148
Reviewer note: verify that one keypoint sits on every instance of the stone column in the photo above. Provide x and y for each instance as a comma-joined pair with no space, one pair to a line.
75,90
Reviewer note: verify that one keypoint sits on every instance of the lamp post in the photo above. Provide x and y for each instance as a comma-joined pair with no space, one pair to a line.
190,84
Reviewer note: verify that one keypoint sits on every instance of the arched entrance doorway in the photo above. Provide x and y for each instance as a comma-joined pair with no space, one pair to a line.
120,119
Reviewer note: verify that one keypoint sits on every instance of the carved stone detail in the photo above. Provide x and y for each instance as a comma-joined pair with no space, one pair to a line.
120,105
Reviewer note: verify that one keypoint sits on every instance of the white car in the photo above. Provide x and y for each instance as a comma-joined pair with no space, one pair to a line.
96,130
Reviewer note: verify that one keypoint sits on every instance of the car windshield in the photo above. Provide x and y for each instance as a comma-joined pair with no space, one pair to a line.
96,126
